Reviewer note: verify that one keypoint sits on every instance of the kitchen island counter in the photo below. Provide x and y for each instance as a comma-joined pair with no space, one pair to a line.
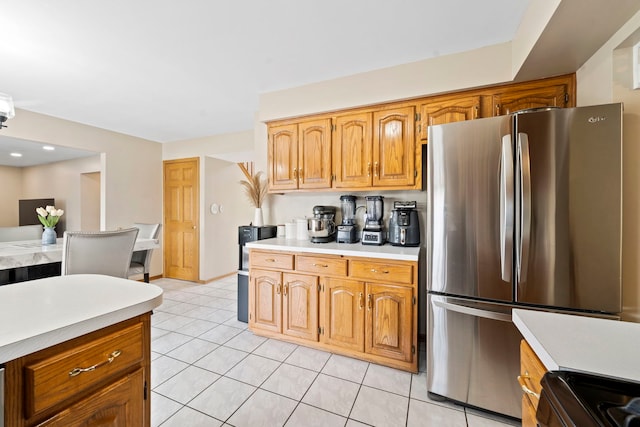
42,313
582,344
387,251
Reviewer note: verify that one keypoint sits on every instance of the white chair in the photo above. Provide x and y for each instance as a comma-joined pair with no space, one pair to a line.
98,252
23,232
141,260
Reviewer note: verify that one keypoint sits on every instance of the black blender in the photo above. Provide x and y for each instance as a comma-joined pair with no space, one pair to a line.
348,230
373,232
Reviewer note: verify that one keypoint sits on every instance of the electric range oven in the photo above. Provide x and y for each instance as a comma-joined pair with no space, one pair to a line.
572,399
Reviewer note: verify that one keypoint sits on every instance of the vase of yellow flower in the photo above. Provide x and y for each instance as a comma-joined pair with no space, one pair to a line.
49,217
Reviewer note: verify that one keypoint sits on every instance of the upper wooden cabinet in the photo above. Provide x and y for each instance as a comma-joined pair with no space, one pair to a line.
380,147
443,110
531,96
300,155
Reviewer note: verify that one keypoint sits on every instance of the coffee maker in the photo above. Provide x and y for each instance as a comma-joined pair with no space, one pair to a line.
404,226
373,232
348,230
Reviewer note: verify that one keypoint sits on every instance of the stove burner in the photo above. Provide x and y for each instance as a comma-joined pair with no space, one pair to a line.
627,415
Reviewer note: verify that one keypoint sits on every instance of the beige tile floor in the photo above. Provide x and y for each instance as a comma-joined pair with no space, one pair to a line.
207,369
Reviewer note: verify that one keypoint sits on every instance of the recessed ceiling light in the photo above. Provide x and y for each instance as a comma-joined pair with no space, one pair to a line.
48,148
16,154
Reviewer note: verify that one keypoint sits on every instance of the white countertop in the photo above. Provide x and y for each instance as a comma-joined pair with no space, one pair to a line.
583,344
386,251
41,313
24,253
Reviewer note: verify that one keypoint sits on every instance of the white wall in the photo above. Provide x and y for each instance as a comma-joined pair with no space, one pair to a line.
606,77
11,184
131,169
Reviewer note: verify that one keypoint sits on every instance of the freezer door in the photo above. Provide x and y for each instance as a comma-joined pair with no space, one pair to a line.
473,354
470,204
568,242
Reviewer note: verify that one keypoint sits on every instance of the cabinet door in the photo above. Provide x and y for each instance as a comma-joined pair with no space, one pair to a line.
314,154
388,329
283,157
265,300
512,101
300,306
119,404
352,151
448,110
394,147
343,313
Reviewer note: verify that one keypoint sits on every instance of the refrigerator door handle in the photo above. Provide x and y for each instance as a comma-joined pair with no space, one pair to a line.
524,236
506,208
471,311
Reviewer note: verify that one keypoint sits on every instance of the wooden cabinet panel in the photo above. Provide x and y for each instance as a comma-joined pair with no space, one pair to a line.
388,328
283,157
394,148
548,96
531,372
325,266
265,300
343,309
314,154
119,404
56,378
276,260
352,151
439,111
381,271
300,306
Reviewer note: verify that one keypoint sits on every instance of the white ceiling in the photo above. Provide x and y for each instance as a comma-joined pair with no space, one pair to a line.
168,71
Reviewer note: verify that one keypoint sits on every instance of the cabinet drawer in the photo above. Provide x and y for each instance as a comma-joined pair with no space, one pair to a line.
531,372
321,266
63,375
278,260
381,271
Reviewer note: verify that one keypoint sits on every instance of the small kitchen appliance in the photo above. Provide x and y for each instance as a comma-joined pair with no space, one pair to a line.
373,232
404,226
348,230
322,227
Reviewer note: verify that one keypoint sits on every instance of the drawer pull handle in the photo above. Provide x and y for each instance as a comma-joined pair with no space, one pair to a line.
524,387
369,302
373,270
321,265
286,289
361,301
111,358
270,260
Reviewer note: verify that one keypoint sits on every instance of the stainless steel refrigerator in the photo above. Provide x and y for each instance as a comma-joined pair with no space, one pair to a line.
523,211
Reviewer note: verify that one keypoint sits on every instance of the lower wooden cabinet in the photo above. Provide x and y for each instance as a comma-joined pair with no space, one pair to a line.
98,379
531,372
358,307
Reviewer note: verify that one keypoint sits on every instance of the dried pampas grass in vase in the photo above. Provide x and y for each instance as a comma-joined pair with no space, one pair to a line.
256,191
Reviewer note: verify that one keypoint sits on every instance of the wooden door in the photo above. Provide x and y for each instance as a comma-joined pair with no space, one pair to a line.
181,219
283,157
388,329
448,110
343,314
352,151
534,97
300,306
314,154
265,300
394,147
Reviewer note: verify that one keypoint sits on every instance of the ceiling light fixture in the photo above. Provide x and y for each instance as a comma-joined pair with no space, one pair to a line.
15,155
6,109
48,148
